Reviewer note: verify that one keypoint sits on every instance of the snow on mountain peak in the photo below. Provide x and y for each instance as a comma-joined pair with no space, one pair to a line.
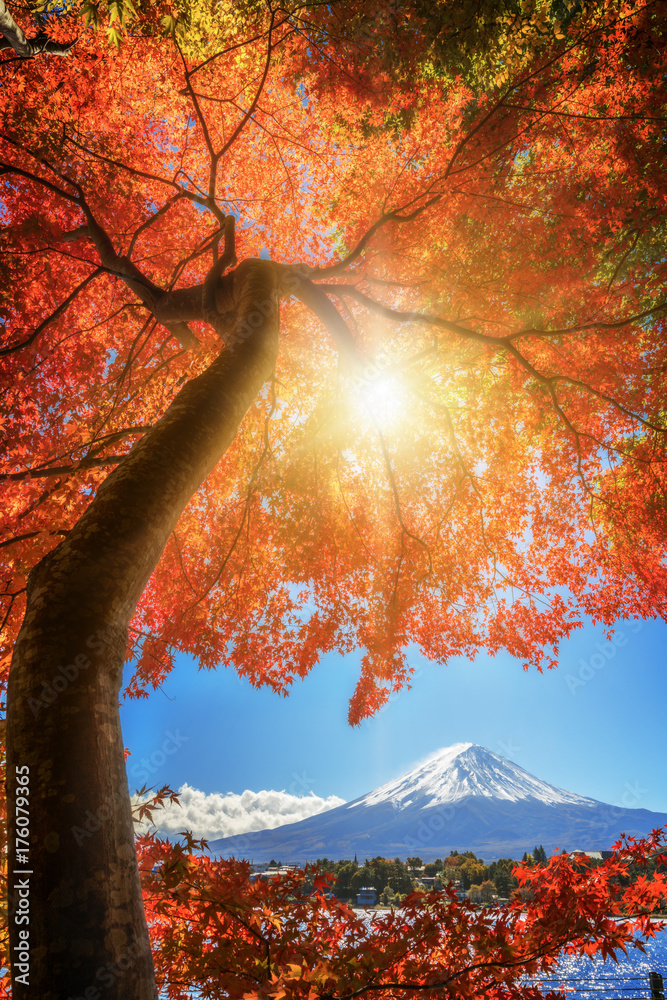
466,769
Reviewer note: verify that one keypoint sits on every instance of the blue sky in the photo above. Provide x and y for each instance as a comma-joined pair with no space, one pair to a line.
595,726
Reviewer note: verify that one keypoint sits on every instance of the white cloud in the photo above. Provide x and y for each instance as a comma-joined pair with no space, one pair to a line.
227,815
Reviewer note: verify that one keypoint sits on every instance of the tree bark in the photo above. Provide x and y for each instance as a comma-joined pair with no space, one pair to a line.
26,48
87,934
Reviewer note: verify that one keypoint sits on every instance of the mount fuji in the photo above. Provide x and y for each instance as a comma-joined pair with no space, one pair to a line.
464,797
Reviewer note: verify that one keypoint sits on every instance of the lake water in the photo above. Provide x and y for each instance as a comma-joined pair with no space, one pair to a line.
634,964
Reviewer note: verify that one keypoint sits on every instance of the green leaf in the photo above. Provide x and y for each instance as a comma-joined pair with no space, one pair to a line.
91,13
114,36
170,24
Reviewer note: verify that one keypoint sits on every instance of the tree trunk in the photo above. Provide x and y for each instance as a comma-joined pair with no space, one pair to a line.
87,935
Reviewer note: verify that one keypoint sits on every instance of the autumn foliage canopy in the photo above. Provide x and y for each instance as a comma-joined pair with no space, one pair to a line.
489,467
463,443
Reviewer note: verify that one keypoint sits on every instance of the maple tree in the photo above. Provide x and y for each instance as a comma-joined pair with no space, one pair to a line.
374,347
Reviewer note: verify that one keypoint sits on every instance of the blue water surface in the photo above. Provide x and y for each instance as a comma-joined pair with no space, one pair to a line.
593,979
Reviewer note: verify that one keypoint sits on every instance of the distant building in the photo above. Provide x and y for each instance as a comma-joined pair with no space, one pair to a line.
266,872
367,896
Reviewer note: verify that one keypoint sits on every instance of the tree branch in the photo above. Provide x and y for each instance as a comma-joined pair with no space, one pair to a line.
393,216
397,503
61,470
27,48
505,343
598,325
401,316
30,534
11,348
7,168
239,128
591,118
122,267
410,317
153,218
315,298
112,262
228,259
89,461
190,195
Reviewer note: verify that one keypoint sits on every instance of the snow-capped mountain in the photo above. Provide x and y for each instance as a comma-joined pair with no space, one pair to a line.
464,769
464,797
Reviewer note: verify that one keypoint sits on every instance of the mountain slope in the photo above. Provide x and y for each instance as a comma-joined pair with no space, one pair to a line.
465,797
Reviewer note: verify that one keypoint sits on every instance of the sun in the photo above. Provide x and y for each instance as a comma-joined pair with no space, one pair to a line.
382,398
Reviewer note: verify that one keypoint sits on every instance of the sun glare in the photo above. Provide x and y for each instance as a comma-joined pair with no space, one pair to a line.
384,399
